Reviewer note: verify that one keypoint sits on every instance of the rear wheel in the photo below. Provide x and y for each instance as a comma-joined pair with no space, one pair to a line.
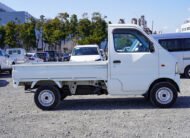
187,72
163,95
47,97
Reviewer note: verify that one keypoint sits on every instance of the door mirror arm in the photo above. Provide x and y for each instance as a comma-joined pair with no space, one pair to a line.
151,47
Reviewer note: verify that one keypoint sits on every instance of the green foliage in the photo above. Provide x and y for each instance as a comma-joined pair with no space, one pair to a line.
2,36
94,31
28,35
11,38
48,32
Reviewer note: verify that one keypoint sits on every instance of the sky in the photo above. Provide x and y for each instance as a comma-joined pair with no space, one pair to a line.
167,15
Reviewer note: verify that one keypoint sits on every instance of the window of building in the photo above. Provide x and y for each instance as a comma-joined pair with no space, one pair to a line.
171,44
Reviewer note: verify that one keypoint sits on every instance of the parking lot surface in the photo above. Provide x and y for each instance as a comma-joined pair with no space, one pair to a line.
91,116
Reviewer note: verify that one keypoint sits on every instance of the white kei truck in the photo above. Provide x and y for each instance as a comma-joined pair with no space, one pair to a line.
136,65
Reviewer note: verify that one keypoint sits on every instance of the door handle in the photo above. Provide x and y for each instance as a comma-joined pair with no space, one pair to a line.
117,61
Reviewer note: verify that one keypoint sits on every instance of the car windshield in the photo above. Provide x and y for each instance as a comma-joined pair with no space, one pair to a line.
14,52
79,51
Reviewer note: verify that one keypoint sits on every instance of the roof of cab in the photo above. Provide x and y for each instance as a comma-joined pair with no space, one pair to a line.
86,46
171,35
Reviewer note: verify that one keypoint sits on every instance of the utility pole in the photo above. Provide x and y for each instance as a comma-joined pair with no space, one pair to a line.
152,26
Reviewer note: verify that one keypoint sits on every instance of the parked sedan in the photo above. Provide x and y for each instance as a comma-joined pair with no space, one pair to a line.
44,55
33,58
66,57
53,55
5,62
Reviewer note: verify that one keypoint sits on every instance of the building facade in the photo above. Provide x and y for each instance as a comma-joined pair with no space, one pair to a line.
186,26
7,14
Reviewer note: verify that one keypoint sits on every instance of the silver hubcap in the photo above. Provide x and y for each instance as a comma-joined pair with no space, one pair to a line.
46,98
164,95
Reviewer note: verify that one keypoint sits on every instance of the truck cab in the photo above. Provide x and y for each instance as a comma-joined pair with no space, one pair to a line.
136,65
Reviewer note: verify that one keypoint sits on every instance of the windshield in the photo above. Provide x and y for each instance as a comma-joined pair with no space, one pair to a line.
14,52
79,51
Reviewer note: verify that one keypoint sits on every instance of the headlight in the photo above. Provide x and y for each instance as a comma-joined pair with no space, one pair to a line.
176,68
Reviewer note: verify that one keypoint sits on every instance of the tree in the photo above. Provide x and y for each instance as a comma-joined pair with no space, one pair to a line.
48,32
39,28
2,36
73,28
64,25
94,31
99,26
28,34
84,30
58,35
11,38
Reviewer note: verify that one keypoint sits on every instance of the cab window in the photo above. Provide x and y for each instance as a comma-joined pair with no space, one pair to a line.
126,40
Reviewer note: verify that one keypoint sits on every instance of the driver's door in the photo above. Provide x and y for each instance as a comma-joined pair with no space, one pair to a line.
133,66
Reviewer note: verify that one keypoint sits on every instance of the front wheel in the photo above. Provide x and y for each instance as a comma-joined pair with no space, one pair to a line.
187,72
163,95
47,97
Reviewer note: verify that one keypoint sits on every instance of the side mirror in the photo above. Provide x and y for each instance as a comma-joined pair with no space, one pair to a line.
151,47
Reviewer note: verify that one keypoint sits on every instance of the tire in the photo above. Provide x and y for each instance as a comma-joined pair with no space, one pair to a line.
163,95
10,72
187,72
47,97
146,97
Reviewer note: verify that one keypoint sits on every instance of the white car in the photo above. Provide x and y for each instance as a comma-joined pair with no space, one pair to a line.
86,53
178,44
18,55
147,69
33,58
5,62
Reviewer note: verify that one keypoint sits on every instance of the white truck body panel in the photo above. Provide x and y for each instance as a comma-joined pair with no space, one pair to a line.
68,71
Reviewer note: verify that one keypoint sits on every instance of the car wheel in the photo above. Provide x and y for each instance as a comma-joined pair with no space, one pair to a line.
163,95
47,97
187,72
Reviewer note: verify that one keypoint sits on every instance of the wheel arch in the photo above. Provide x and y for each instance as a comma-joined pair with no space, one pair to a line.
36,84
164,80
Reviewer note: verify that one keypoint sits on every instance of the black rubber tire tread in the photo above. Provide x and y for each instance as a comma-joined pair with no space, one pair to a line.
56,93
158,86
186,72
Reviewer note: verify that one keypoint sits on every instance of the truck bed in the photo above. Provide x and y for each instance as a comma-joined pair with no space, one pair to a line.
62,71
